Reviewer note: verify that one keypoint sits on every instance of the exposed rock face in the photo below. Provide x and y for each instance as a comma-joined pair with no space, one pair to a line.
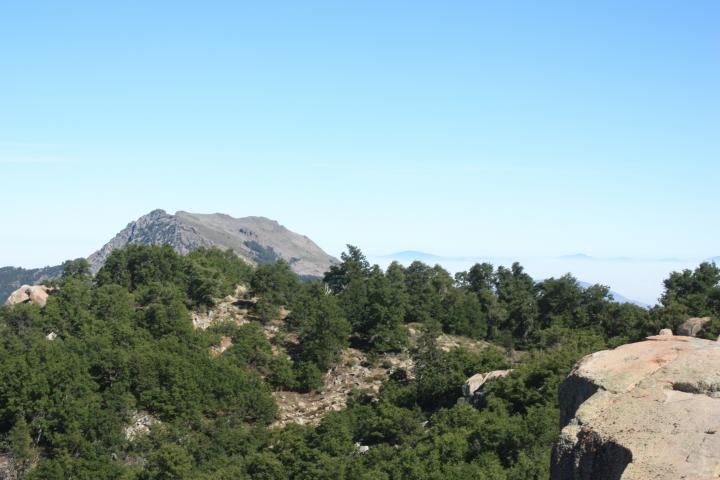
140,424
225,343
8,469
692,326
646,410
11,468
351,372
37,294
230,309
256,239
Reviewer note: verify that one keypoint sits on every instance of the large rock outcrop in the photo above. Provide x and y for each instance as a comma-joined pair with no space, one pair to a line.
37,294
692,326
646,410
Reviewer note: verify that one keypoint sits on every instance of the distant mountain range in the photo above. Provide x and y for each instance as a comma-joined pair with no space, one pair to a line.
616,296
577,256
415,255
582,256
256,239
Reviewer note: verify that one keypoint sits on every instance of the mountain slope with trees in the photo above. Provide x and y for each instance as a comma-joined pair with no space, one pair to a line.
258,240
123,343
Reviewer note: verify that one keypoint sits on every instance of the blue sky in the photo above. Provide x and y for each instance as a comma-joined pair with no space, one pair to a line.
460,128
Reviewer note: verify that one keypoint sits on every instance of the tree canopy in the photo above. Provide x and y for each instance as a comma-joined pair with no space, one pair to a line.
123,342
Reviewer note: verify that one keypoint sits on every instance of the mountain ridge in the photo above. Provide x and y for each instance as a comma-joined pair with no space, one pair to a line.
256,239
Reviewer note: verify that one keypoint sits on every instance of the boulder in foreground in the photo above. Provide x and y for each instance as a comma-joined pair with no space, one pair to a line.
646,410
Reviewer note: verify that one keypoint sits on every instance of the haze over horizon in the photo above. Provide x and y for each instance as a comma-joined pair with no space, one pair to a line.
638,279
460,128
330,145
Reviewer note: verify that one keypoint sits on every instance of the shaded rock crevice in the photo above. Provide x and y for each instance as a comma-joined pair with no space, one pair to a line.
699,388
574,391
588,456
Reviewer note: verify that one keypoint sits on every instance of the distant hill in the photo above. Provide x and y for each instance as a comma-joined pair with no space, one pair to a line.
576,256
256,239
616,296
413,255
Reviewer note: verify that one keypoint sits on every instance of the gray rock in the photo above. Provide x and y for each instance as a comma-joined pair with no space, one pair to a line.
140,423
256,239
8,469
692,326
361,449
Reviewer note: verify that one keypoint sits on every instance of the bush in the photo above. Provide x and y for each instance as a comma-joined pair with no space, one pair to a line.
309,377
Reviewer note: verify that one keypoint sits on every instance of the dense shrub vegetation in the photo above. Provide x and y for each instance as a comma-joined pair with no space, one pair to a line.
125,343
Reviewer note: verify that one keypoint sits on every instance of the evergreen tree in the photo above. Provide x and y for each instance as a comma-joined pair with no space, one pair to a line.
384,320
323,329
517,295
21,445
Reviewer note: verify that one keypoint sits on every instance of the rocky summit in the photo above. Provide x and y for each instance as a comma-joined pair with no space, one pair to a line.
256,239
646,410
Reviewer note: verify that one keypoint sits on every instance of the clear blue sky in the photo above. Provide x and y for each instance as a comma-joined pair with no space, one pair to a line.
459,128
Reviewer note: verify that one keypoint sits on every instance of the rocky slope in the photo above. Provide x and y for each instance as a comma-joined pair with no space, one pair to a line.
256,239
646,410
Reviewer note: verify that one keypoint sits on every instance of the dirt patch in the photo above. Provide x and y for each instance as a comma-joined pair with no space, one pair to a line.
229,309
353,372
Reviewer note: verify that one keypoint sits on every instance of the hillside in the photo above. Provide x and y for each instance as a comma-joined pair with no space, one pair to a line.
258,240
166,366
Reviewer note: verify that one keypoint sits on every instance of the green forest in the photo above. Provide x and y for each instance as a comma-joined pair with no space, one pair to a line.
108,346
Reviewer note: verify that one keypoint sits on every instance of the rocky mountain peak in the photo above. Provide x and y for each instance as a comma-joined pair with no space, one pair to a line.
256,239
